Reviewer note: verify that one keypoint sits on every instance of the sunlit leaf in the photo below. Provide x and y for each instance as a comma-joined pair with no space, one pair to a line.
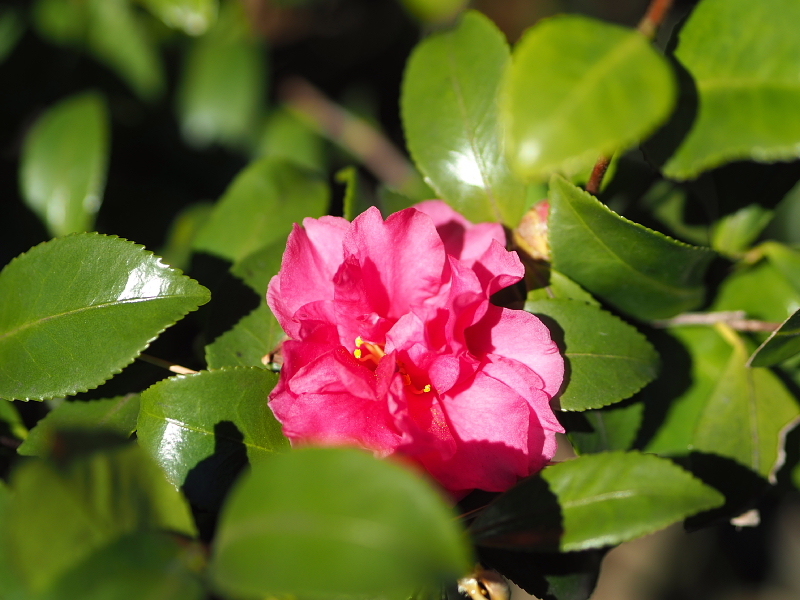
735,233
260,207
334,522
607,359
593,501
64,163
761,291
640,271
561,287
192,16
248,343
74,311
744,58
450,115
257,268
287,136
114,414
577,89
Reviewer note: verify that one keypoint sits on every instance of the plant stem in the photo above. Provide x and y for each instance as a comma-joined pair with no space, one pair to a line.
159,362
734,319
648,26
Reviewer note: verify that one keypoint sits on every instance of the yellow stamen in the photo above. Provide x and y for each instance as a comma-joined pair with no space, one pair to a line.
357,353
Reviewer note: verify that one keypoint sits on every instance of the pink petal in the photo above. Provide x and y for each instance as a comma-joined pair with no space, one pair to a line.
497,268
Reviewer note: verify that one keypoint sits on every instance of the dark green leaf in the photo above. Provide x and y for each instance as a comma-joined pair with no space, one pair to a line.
335,522
744,57
612,428
257,268
260,206
64,161
782,344
11,421
561,287
435,11
11,30
450,115
74,311
58,515
785,260
222,89
61,22
608,360
577,89
603,499
116,414
735,233
192,16
188,418
637,270
138,566
288,136
730,409
761,291
177,251
249,342
355,201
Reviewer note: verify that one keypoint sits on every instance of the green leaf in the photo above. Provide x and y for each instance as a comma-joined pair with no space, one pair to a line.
607,359
11,30
11,421
335,522
781,345
744,57
177,251
435,11
561,287
578,89
257,268
117,36
450,114
260,206
186,419
612,428
115,414
64,163
61,21
355,201
58,515
786,261
642,272
288,136
730,409
735,233
603,499
192,16
136,566
75,310
761,291
221,92
251,339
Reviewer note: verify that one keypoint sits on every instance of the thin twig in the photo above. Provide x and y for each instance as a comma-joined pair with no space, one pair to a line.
596,178
735,319
352,133
160,362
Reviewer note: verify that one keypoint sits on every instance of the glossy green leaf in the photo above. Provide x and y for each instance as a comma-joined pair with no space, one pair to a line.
257,268
435,11
735,233
602,499
113,414
136,566
74,311
332,522
246,345
781,345
64,163
607,359
58,515
577,89
642,272
192,16
222,89
560,287
186,419
260,206
730,409
117,36
744,57
450,114
287,136
612,428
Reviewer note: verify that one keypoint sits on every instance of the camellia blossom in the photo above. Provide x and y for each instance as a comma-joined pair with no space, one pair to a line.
395,347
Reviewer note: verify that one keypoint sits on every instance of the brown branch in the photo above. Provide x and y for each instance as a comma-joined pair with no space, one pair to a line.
159,362
735,319
596,178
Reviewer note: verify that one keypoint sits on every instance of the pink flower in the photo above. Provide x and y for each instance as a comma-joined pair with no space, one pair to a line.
395,347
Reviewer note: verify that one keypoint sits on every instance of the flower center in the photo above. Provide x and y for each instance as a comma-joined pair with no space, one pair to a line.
371,352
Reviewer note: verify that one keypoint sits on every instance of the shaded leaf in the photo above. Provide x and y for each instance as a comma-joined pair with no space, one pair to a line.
612,428
11,421
260,206
604,499
115,414
781,345
75,310
11,30
355,202
136,566
257,268
287,136
745,60
786,260
733,234
222,88
177,251
578,89
186,419
64,164
642,272
246,345
607,359
335,522
192,16
775,298
450,115
435,11
561,287
730,409
58,515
